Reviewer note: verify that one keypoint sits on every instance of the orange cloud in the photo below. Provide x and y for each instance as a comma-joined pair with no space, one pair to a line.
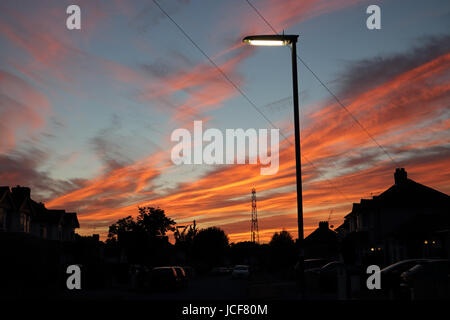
222,197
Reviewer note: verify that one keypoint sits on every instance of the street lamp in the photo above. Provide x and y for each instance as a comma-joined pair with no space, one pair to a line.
282,40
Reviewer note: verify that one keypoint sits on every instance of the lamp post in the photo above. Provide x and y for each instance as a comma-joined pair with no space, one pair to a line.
282,40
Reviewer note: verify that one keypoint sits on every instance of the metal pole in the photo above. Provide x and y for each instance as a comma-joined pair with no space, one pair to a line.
298,167
298,163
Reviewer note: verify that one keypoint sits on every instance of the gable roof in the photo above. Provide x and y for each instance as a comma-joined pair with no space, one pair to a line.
3,189
5,194
411,193
71,220
55,216
322,234
405,193
21,197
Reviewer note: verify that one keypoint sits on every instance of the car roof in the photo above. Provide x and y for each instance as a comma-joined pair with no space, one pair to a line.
318,259
332,262
391,266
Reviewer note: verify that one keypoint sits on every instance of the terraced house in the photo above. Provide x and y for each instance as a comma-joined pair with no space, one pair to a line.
408,220
21,214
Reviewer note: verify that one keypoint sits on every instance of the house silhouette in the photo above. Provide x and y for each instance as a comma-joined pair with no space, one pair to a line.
408,220
20,214
322,243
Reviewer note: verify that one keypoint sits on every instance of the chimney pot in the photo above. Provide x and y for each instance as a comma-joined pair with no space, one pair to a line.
400,175
323,225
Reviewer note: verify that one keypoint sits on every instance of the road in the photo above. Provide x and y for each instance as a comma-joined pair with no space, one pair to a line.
208,288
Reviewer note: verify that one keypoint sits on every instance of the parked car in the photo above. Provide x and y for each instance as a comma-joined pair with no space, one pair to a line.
138,275
390,276
241,271
221,270
165,278
189,271
328,274
427,280
311,265
181,275
310,273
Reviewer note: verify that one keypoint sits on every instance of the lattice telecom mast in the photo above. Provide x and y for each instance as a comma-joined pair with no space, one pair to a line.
254,231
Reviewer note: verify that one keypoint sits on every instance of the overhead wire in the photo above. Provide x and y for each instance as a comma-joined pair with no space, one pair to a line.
188,37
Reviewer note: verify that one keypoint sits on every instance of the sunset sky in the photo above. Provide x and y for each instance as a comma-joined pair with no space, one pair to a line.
86,115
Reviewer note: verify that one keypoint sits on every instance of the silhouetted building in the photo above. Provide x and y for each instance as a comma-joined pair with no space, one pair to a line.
322,243
19,213
408,220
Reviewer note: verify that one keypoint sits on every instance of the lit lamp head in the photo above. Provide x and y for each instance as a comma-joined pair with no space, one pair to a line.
270,40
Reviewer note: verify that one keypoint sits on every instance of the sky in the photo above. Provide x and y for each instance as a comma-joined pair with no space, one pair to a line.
87,115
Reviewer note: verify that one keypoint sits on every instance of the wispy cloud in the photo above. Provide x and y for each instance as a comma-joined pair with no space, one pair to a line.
402,100
23,109
346,157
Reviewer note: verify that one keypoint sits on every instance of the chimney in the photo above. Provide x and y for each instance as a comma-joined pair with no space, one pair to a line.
400,175
22,192
323,225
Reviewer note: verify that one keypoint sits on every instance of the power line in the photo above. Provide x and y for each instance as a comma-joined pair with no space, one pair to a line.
326,88
214,64
240,91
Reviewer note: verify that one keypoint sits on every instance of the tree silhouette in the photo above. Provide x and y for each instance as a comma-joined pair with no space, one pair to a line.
283,252
245,252
122,225
143,240
185,238
281,239
210,247
150,221
154,222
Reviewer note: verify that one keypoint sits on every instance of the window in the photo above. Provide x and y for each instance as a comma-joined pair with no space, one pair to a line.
23,222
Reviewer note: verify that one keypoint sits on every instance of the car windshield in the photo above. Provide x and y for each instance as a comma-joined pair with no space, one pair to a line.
179,271
309,264
330,266
241,268
415,269
401,266
163,272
